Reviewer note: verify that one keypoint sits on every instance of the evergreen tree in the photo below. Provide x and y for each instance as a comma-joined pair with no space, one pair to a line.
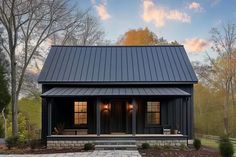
4,92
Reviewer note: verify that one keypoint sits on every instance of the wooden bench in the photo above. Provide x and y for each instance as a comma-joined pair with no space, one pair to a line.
75,132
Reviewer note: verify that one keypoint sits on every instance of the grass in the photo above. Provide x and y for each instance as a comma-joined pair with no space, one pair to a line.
31,108
212,143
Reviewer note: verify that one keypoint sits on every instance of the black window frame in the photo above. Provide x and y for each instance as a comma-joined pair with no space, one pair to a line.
146,115
74,112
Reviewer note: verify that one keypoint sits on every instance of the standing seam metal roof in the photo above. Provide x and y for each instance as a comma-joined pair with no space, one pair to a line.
79,91
68,64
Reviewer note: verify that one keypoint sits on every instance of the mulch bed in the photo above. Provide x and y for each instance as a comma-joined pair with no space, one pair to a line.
172,152
43,150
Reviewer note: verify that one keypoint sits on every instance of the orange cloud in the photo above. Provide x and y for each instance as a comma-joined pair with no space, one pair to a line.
196,45
102,11
159,15
194,5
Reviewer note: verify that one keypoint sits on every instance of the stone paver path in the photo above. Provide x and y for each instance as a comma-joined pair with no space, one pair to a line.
102,153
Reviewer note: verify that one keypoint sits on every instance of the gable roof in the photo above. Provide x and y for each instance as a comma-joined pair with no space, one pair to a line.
117,64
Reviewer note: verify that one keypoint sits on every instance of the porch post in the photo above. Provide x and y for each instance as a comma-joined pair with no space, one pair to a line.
134,116
98,116
49,117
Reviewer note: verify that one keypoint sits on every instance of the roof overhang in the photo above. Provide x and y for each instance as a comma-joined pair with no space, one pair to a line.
113,91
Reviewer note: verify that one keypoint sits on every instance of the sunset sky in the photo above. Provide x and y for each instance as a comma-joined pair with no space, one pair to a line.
186,21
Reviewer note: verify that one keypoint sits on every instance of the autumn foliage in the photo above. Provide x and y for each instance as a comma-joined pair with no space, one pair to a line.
142,36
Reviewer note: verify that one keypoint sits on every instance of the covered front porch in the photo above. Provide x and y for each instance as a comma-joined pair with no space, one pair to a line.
116,112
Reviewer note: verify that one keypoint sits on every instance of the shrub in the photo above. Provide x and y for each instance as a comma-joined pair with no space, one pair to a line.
88,146
183,146
12,142
145,145
226,147
197,144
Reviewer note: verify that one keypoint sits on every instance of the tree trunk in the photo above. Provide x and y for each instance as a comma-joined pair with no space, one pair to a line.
226,104
14,96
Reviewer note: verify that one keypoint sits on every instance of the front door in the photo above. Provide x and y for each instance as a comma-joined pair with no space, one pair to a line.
118,117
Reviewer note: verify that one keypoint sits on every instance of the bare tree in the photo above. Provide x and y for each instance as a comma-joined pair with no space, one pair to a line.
223,67
27,25
86,31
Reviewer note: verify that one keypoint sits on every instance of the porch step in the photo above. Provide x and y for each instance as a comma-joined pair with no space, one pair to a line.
115,145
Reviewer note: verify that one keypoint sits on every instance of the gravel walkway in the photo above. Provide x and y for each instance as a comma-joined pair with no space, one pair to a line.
102,153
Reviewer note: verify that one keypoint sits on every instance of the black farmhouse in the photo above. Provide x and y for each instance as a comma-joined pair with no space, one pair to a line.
139,93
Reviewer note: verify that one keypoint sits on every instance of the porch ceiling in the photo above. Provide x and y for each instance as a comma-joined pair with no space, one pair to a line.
113,91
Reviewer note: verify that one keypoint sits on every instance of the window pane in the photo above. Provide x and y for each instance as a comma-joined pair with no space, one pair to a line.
153,112
76,120
80,113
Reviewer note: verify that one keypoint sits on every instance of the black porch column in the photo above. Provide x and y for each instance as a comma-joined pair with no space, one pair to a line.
134,116
98,116
49,104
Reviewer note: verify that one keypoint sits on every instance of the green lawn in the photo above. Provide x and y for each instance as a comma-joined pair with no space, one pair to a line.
212,143
31,108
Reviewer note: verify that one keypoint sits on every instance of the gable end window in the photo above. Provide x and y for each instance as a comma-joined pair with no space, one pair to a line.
153,113
80,113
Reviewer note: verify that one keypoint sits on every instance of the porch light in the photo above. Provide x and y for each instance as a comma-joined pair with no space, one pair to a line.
131,106
105,106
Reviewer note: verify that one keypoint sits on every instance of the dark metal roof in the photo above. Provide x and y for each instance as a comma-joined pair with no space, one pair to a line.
117,64
147,91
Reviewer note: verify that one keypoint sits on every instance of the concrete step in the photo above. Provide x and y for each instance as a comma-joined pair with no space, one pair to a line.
115,142
115,147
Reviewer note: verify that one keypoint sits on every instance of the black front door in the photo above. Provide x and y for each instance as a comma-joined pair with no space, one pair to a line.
118,117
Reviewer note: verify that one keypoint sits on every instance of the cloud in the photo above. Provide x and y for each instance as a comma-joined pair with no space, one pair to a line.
194,6
159,15
196,45
101,9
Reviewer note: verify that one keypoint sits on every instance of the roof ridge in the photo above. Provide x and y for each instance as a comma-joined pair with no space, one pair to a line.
164,45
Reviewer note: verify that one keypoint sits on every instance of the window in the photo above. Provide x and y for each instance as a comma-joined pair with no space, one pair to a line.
80,113
153,112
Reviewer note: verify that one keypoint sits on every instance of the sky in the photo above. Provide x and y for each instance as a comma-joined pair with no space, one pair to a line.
186,21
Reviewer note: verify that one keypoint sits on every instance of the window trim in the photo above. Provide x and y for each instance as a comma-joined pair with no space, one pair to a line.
79,125
146,113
